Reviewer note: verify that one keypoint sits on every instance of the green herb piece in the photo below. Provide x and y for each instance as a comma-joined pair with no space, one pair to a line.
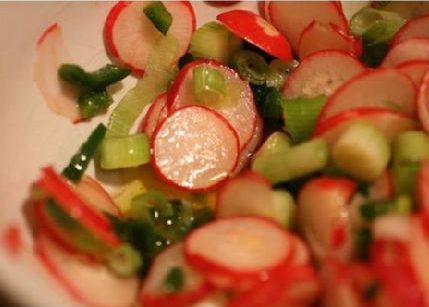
159,15
174,281
94,102
80,161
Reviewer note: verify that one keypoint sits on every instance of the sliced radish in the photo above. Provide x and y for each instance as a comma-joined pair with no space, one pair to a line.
69,200
390,122
382,188
301,254
195,148
86,281
284,289
239,252
392,264
395,228
419,249
318,36
321,74
414,69
153,115
194,288
292,17
423,102
415,28
423,193
50,54
406,9
96,196
257,31
384,88
263,10
252,145
410,50
240,113
130,35
247,194
321,206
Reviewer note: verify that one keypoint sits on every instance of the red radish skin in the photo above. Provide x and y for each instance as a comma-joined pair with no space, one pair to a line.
292,17
50,54
318,36
321,74
11,240
250,148
194,289
423,102
257,31
239,252
262,9
240,114
87,282
388,121
96,196
415,49
414,28
392,264
129,35
67,197
382,88
246,194
414,69
192,155
153,115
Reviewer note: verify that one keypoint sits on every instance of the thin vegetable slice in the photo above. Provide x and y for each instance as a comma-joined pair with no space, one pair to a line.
79,162
415,49
423,102
86,281
414,28
154,115
195,149
159,15
414,69
50,54
221,251
181,292
208,85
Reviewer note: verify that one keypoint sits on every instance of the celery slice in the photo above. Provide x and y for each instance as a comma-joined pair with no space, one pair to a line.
124,152
300,116
410,146
159,72
208,85
213,41
125,261
285,208
159,15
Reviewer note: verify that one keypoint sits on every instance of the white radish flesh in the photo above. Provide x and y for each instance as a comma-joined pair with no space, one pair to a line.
195,148
239,110
89,282
409,50
318,36
414,69
321,74
50,54
384,88
292,17
423,102
415,28
194,287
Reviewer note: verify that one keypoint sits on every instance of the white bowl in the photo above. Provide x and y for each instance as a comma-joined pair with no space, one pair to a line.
32,136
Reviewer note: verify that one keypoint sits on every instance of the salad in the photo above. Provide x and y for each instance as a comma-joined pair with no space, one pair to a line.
272,159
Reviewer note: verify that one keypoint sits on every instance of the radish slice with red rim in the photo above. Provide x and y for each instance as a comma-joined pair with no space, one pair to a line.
318,36
414,69
239,252
419,249
194,286
388,121
417,27
382,88
195,148
321,74
423,102
130,35
50,54
263,10
96,196
250,148
247,194
292,17
257,31
382,188
410,50
153,116
240,113
88,282
71,202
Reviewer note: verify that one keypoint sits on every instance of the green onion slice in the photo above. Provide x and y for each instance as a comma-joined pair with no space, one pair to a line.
208,85
159,15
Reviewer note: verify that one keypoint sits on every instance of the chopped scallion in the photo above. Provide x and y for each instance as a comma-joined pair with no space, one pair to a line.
124,261
208,85
159,15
